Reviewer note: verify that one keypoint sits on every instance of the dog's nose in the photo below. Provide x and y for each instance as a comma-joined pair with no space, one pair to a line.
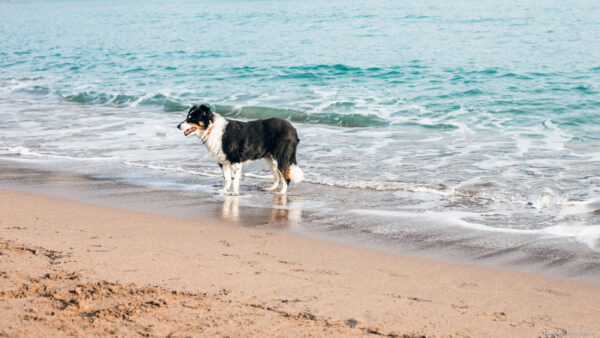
179,126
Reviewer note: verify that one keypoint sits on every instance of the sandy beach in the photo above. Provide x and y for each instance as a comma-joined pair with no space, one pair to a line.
70,268
449,154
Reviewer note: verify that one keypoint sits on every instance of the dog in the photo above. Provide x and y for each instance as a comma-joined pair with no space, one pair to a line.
232,143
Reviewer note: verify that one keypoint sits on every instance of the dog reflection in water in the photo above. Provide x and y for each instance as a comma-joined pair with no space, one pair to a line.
284,210
231,209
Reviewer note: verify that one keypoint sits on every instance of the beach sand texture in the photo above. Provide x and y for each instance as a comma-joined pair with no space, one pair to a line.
69,268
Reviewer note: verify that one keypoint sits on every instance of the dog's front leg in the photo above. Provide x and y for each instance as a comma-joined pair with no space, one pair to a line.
237,175
227,176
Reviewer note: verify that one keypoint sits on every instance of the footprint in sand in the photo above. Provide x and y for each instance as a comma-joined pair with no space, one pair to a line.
467,286
553,292
14,227
496,316
287,262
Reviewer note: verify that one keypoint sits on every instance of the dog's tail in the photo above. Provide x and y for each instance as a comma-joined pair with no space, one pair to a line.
296,175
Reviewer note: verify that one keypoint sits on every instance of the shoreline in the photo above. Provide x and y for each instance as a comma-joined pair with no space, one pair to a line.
563,259
307,285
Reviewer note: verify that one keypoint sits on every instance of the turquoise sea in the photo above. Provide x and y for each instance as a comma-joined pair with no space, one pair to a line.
469,126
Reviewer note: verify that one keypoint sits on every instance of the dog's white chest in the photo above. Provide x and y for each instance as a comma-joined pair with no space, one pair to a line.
214,141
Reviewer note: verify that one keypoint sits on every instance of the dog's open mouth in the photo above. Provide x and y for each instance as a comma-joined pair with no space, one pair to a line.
189,131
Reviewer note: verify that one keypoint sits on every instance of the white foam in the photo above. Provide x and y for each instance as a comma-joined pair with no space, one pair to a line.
320,107
547,199
579,208
26,152
324,92
556,138
355,184
415,107
383,185
460,111
586,234
523,146
450,218
177,169
463,128
495,163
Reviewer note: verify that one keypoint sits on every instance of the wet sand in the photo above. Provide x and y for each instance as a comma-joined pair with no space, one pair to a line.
71,268
554,257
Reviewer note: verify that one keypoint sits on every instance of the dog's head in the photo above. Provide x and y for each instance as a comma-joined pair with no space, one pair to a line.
198,119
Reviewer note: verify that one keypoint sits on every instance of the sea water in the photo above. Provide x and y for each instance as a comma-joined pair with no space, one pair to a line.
422,124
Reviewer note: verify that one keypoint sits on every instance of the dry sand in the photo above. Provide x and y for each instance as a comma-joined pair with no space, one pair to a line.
68,268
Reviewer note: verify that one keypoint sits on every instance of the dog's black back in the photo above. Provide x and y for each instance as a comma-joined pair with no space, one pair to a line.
249,141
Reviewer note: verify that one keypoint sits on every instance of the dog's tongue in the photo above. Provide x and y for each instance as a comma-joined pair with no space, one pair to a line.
189,131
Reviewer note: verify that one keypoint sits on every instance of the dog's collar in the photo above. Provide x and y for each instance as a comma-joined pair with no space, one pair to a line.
205,137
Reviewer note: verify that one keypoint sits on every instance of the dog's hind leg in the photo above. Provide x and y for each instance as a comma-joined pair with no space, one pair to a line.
276,176
237,175
227,176
287,149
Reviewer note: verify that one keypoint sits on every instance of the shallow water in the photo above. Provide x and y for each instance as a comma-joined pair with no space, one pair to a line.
428,123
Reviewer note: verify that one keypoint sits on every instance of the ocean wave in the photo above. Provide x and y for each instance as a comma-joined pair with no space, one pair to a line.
335,119
585,234
321,71
574,208
489,194
438,126
100,98
342,113
166,102
416,187
29,153
330,105
171,168
448,218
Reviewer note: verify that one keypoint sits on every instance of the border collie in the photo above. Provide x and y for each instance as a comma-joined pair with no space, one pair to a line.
232,143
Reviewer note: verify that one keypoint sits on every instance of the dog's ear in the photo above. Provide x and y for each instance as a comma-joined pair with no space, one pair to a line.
205,109
194,107
207,113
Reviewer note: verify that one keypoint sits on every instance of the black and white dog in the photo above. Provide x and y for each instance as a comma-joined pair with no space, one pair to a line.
232,143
